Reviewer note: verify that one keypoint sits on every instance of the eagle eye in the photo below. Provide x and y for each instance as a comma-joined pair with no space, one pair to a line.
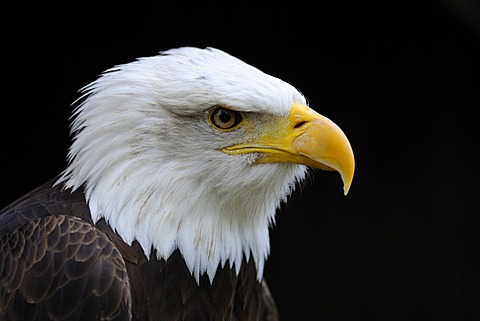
224,119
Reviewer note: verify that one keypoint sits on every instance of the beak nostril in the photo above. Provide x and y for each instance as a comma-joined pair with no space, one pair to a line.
299,124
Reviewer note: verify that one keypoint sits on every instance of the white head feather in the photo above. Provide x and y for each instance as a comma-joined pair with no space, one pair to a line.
152,165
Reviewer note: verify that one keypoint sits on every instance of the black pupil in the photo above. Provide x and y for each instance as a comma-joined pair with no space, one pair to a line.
225,116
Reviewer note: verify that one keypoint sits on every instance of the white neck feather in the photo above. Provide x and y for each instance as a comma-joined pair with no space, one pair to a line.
210,220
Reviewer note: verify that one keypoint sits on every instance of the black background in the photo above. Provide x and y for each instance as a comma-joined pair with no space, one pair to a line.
400,78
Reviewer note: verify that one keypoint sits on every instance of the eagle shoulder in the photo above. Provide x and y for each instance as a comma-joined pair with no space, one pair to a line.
54,266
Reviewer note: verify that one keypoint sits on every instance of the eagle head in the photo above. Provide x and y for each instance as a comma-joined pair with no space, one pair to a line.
193,149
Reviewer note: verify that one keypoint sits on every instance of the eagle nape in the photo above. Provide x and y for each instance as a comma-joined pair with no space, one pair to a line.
178,164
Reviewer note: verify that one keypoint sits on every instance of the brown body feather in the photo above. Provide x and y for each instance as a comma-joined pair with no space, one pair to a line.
56,264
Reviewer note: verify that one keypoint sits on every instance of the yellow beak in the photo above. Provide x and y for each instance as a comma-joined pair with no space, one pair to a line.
304,137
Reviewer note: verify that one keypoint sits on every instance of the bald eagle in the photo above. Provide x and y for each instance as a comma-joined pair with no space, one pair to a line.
177,166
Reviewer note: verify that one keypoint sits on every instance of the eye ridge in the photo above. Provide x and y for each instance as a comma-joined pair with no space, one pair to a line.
224,118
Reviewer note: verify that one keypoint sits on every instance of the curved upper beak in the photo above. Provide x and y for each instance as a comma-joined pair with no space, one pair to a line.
304,137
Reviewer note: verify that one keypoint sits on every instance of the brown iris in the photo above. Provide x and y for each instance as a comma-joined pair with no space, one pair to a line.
224,119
